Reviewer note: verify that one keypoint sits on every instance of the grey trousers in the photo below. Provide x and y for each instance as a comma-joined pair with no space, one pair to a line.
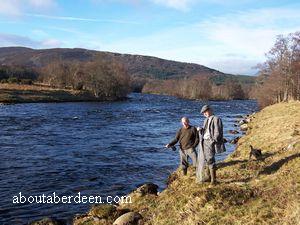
185,154
206,157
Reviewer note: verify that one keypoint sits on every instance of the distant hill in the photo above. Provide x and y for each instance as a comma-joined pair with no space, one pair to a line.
138,66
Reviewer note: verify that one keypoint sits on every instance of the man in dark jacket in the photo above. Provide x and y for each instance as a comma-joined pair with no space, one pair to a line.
188,139
211,142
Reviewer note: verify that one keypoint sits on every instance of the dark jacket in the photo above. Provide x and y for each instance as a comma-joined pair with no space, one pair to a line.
187,138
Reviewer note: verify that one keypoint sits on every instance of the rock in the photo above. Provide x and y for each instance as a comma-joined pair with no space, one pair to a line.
292,145
233,132
47,221
241,122
148,188
99,215
244,127
103,210
235,140
131,218
248,120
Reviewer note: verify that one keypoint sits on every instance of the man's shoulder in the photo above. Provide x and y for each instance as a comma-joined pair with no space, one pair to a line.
179,130
193,128
216,117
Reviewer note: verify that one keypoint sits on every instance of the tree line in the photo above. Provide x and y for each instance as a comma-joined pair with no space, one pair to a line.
106,80
279,78
17,74
199,87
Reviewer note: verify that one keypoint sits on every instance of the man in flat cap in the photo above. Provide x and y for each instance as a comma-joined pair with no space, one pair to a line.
211,142
188,139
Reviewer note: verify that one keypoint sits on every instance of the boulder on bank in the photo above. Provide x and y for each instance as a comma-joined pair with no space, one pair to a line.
235,140
241,122
101,214
244,127
233,132
148,188
245,120
130,218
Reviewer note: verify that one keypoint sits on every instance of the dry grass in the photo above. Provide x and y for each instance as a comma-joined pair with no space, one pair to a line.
250,192
25,87
15,93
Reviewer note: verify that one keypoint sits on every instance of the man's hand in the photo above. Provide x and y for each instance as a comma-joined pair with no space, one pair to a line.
199,128
167,146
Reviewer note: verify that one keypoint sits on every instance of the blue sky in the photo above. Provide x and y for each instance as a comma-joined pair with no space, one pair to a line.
231,36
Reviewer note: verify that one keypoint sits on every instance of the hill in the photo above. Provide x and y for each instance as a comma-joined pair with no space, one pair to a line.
137,65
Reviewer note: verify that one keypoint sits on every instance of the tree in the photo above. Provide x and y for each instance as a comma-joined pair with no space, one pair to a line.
279,74
107,80
234,90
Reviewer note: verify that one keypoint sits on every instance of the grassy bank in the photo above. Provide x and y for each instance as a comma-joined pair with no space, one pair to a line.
250,192
15,93
265,191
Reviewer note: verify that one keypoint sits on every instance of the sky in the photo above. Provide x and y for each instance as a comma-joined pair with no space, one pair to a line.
231,36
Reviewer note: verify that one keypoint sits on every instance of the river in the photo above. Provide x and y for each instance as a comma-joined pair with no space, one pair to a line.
106,148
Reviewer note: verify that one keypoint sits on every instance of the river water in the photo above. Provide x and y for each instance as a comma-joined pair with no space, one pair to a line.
104,149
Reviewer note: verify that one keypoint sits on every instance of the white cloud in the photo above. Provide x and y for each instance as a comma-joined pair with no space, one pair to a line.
234,65
39,33
251,33
183,5
9,8
41,3
18,7
16,40
50,43
19,40
232,43
69,18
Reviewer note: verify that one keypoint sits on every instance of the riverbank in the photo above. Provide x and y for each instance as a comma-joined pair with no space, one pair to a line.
15,93
213,98
265,191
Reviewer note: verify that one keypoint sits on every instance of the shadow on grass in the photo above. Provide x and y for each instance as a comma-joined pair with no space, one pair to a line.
230,163
234,162
240,180
266,155
277,165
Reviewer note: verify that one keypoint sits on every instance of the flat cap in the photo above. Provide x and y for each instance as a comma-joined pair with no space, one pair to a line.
205,108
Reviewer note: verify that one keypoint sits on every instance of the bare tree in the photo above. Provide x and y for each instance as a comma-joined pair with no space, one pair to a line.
279,75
